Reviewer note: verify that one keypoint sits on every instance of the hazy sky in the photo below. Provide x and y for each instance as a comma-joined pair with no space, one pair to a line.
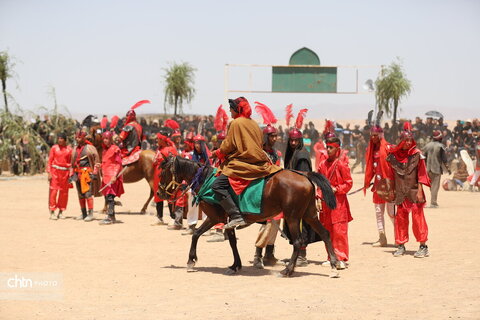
103,56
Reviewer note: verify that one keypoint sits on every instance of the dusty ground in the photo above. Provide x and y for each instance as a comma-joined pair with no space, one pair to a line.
135,271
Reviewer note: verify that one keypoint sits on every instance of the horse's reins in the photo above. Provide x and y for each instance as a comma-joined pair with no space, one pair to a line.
178,185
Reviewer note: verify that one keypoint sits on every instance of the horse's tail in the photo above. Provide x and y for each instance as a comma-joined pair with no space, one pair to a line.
324,185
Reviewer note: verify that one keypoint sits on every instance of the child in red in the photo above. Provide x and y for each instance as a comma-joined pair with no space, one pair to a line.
336,221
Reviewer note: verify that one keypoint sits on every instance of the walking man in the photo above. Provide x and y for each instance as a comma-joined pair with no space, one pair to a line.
59,162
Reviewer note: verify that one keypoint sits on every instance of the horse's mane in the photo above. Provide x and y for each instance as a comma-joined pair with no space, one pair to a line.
186,167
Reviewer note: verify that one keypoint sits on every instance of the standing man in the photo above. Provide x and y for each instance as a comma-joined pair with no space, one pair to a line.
244,159
436,156
336,220
112,182
410,175
298,158
59,163
84,159
166,148
268,231
378,170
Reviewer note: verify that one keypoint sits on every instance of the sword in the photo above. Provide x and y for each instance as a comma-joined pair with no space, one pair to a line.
275,223
358,190
110,183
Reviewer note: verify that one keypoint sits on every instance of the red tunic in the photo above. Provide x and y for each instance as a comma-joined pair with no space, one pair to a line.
157,162
111,166
59,163
339,176
336,221
377,168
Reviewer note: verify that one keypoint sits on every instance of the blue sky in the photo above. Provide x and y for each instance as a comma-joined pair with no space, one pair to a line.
103,56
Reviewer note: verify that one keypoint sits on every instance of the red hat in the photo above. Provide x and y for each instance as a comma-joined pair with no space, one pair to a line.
131,116
295,134
176,133
269,130
407,131
198,137
107,134
376,129
437,135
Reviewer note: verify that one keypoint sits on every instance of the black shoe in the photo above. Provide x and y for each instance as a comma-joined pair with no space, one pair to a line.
400,251
236,219
422,252
83,216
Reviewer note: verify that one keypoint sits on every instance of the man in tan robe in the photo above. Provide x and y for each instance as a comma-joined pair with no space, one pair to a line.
242,159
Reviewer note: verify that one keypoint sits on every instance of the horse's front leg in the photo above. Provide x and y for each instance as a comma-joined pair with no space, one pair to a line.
294,228
237,263
192,255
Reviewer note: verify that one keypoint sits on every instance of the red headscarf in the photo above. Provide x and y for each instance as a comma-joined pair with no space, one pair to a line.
385,167
400,154
241,106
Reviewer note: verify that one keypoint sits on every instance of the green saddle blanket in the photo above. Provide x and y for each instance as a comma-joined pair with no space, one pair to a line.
249,201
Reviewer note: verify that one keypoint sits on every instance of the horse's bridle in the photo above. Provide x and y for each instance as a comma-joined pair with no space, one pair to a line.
173,183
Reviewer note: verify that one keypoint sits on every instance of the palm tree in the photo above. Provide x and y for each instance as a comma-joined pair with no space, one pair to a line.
6,71
391,87
179,81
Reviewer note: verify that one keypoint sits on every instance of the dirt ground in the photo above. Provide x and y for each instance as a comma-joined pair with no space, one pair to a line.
132,270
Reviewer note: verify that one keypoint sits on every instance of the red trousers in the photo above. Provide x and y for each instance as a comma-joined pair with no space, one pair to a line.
339,237
61,202
419,224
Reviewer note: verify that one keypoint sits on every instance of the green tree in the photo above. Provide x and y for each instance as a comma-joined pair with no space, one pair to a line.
391,87
6,71
179,82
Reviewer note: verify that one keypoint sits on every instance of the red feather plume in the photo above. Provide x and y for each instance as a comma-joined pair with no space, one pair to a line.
407,126
289,115
266,113
114,122
300,117
172,124
139,103
103,123
329,127
221,119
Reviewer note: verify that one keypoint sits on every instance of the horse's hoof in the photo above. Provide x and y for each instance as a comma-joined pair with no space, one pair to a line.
231,272
190,267
286,273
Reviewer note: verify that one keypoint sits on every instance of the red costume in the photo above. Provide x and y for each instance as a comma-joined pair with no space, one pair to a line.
336,220
59,163
377,167
160,156
410,171
132,132
111,167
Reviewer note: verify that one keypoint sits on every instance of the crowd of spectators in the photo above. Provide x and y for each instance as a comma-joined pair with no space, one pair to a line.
464,136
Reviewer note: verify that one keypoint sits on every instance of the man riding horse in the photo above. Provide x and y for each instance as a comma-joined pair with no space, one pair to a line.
131,135
244,159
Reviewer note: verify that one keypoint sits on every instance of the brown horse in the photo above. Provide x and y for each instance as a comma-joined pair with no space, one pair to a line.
141,169
290,192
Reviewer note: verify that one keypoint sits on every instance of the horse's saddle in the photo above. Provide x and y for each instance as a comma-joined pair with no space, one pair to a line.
249,201
131,158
